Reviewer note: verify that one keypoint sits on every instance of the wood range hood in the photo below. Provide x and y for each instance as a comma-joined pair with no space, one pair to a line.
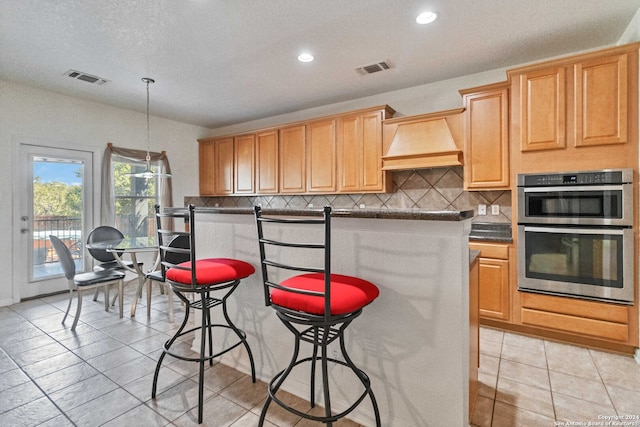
424,141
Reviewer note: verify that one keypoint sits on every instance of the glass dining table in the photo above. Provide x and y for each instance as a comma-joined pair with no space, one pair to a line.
130,246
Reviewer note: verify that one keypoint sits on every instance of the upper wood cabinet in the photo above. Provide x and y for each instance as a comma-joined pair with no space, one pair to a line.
244,164
292,160
267,162
359,158
207,172
486,146
223,165
575,102
601,99
321,156
340,153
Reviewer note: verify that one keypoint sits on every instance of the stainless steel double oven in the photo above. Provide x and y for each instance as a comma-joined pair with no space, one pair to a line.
575,234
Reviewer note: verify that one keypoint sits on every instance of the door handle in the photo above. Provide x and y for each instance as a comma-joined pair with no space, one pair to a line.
24,230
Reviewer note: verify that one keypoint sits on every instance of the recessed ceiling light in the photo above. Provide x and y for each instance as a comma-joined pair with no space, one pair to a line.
426,17
305,57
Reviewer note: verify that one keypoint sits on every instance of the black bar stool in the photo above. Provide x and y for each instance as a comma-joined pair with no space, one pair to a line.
212,279
316,306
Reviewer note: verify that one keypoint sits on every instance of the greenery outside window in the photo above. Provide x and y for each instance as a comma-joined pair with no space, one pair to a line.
134,198
127,202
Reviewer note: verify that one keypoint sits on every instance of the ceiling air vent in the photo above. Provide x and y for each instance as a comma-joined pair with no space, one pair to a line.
373,68
78,75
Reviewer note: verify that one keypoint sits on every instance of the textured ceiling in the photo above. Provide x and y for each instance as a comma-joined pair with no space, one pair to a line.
220,62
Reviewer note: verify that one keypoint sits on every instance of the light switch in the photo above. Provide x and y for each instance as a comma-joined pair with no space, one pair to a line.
495,209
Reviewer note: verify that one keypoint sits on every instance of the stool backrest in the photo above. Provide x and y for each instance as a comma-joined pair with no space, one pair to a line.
167,241
282,241
176,247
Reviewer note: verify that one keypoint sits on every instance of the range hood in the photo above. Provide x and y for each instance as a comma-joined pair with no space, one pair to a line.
424,141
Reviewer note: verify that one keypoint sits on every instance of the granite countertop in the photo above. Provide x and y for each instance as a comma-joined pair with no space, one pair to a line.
493,231
413,214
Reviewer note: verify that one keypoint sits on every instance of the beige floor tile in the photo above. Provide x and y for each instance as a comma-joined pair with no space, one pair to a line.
525,396
490,334
580,388
483,412
579,411
526,374
617,370
489,364
491,348
533,355
487,384
626,402
505,415
572,360
217,412
523,341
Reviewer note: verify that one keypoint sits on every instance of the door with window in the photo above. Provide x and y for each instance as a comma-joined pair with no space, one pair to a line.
54,196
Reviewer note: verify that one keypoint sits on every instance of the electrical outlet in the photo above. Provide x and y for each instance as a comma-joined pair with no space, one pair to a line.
482,209
495,209
362,206
310,205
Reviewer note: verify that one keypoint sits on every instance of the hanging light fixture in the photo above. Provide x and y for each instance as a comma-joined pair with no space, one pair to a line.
148,172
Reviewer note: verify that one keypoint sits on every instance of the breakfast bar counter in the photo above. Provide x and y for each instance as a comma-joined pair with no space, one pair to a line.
413,341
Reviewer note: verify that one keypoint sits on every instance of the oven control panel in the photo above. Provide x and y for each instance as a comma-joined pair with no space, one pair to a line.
575,178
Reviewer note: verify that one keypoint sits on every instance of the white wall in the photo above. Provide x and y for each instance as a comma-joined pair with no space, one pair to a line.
32,114
407,102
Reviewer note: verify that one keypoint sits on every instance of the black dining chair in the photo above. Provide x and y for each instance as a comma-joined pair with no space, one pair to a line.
210,281
314,303
107,260
84,281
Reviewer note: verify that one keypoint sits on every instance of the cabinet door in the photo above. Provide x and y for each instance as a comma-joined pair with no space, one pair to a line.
601,101
291,159
321,157
244,164
494,288
486,151
267,162
206,156
542,109
223,153
372,174
349,143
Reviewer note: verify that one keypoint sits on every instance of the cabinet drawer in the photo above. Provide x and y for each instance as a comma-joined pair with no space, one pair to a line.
489,250
606,321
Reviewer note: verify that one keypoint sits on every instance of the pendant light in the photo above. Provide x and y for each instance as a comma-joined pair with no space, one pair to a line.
148,172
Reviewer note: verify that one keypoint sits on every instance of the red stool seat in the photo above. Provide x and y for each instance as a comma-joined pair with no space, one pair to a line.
211,270
348,294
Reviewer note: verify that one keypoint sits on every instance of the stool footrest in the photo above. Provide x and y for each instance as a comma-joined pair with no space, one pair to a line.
275,382
166,347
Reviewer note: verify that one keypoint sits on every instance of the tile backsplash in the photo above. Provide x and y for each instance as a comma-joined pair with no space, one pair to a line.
427,189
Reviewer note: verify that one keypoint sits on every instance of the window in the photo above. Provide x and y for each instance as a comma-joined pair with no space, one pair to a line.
134,198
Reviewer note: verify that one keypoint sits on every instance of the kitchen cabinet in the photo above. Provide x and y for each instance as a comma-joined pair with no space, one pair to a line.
359,152
244,164
577,102
267,162
207,172
321,156
493,287
292,159
486,142
610,322
334,154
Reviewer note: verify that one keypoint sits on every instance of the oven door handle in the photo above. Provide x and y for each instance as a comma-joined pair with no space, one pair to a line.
565,188
558,230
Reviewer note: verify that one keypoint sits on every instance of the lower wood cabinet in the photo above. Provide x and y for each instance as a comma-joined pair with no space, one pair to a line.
594,319
494,291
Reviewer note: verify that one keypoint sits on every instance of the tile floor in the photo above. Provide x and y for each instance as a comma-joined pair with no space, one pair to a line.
533,382
101,376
